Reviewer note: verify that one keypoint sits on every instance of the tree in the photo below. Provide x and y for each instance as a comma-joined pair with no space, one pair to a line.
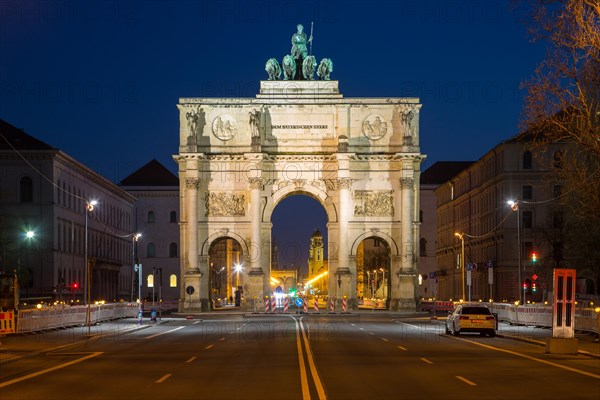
562,105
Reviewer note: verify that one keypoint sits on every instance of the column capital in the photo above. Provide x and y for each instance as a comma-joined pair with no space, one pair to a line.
255,182
344,183
407,182
192,183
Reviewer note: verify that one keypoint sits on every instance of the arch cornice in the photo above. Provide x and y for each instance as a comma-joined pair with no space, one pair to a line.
300,188
375,233
220,234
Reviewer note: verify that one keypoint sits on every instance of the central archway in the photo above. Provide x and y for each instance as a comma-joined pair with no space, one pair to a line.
299,246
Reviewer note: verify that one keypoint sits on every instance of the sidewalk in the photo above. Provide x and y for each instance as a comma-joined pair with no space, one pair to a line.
15,347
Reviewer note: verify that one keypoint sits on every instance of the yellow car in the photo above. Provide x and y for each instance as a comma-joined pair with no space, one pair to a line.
471,318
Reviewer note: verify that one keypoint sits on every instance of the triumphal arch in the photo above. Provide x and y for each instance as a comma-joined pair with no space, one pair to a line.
240,157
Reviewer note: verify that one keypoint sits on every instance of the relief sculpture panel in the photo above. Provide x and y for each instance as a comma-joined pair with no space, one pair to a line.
224,204
374,203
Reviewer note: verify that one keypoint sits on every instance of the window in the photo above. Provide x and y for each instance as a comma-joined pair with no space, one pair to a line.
151,217
151,250
173,250
527,219
557,191
26,190
527,160
420,215
423,247
527,192
173,217
173,280
557,219
151,280
558,159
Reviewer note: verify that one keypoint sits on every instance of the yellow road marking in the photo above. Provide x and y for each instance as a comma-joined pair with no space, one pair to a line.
191,359
311,363
578,371
33,375
426,360
164,378
303,378
208,347
465,380
384,339
401,348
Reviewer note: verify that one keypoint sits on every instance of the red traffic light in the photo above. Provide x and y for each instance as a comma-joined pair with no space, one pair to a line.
75,285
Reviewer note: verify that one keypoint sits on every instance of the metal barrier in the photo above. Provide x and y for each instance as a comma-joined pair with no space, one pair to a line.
63,316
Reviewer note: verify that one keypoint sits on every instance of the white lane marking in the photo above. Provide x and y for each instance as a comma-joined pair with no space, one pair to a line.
191,359
578,371
426,360
44,371
311,363
411,325
465,380
362,329
197,322
352,324
371,333
208,347
402,348
220,340
164,333
164,378
384,339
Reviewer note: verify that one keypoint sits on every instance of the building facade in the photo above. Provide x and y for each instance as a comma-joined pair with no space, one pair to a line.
156,190
46,192
499,241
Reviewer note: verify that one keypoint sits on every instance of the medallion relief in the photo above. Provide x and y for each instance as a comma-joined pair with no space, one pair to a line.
224,127
374,127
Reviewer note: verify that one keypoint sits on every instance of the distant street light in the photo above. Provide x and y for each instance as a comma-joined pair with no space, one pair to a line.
134,238
89,207
461,236
514,205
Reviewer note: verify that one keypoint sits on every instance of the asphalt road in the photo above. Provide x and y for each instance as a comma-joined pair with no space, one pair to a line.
294,357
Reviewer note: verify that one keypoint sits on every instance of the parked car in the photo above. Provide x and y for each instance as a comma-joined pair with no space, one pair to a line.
471,318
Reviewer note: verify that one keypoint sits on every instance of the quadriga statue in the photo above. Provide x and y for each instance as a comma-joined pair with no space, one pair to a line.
273,69
325,68
289,67
309,65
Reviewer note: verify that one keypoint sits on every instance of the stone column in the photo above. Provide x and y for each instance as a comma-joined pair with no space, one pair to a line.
407,267
255,286
345,205
192,276
191,187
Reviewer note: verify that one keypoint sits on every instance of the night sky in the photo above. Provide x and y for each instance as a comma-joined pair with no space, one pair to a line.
100,80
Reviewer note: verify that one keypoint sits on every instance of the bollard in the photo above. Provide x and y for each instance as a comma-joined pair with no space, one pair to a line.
266,304
316,306
273,304
286,304
305,305
344,304
332,305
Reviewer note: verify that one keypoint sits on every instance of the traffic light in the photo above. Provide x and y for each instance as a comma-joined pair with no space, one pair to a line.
533,287
533,257
74,286
525,285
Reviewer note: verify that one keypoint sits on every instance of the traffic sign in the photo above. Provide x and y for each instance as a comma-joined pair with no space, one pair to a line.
299,302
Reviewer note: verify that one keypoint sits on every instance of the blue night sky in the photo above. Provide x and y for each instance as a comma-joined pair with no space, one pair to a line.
100,80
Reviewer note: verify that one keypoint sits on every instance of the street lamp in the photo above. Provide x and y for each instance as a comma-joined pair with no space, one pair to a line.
237,267
461,236
514,205
89,207
134,238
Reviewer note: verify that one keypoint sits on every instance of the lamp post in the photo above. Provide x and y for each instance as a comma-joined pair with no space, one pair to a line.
134,238
89,207
461,236
514,205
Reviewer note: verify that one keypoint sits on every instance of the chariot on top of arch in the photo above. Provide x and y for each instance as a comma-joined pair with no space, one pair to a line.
300,64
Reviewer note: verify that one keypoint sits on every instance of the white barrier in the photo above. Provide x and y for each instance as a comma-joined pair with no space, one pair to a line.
63,316
541,315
